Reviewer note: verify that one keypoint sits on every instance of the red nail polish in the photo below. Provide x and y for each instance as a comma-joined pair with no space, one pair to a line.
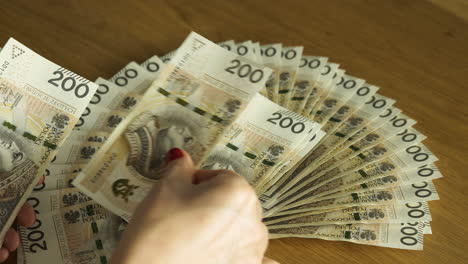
173,154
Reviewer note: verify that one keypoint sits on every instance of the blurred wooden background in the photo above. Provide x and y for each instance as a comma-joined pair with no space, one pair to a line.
415,50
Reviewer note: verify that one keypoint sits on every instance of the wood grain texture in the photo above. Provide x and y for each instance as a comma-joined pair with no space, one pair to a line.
415,51
457,7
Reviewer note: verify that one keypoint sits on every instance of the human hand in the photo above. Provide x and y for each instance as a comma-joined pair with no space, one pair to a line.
195,216
26,218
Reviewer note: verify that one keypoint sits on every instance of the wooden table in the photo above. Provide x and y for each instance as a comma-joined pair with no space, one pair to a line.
414,50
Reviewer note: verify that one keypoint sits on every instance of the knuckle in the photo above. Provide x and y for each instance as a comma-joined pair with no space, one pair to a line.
228,173
239,188
243,189
234,188
243,195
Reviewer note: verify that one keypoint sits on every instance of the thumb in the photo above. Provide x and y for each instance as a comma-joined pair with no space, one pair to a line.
180,169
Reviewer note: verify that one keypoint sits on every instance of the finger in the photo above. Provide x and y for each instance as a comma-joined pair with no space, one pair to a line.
180,169
204,175
41,180
234,189
259,208
229,181
264,237
11,240
26,216
269,261
4,254
226,177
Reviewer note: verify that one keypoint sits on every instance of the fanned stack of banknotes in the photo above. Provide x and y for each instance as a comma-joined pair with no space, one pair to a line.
328,156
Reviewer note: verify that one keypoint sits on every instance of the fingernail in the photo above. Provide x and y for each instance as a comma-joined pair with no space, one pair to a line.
173,154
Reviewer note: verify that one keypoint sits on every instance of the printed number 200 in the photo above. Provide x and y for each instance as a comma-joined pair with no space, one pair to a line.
245,70
286,122
69,83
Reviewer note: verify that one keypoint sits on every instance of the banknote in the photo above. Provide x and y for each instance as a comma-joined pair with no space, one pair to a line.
290,59
257,52
410,157
134,78
390,114
70,160
427,228
327,79
92,136
344,126
52,175
58,181
246,50
391,146
291,177
305,85
365,125
153,65
189,106
395,146
346,87
271,57
371,214
403,236
106,97
69,229
277,177
379,176
168,56
378,131
417,192
127,86
361,96
333,76
328,156
347,118
307,170
319,106
228,44
77,152
20,255
299,148
41,102
260,140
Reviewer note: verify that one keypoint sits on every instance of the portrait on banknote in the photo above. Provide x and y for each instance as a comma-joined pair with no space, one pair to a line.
10,156
151,135
16,170
13,158
223,158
